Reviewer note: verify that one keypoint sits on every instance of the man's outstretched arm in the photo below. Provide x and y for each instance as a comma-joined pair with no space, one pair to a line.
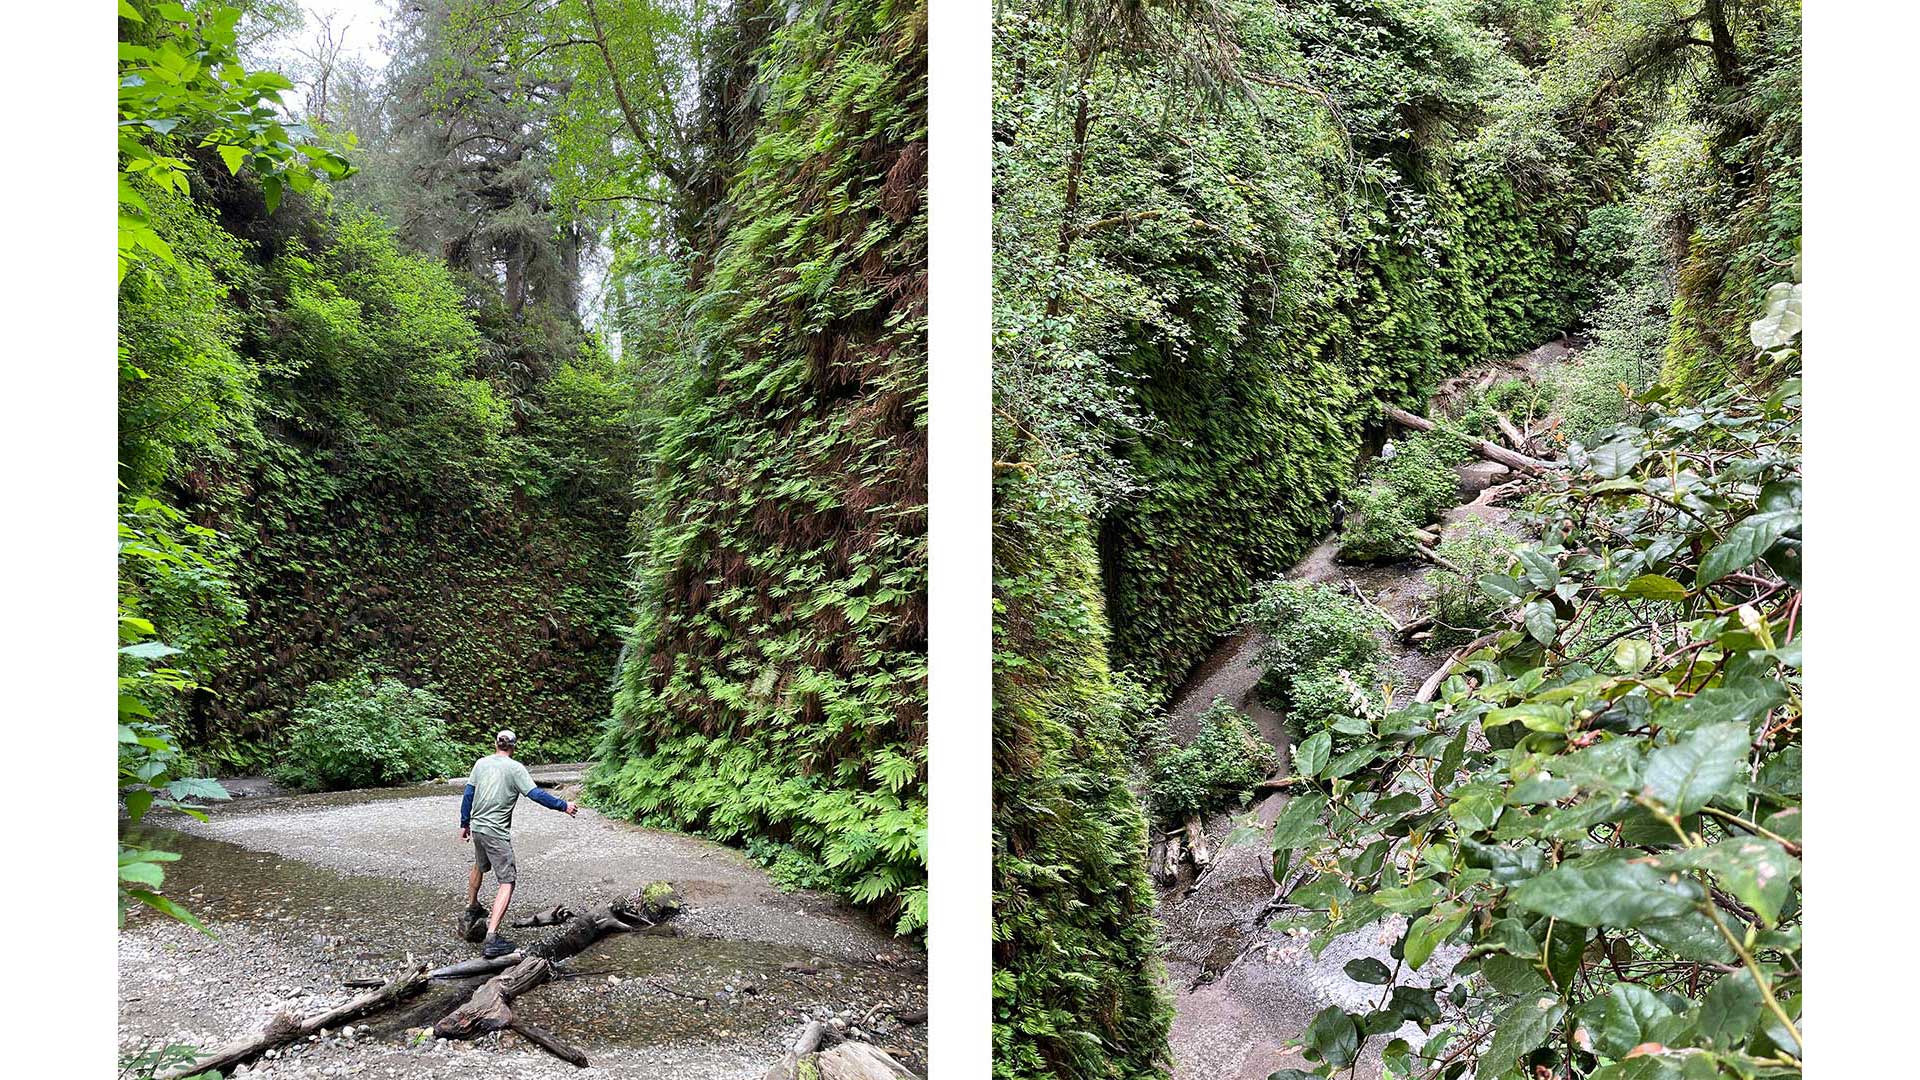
466,810
549,800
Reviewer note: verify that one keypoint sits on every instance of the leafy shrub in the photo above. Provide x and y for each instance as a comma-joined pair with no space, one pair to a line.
1328,696
1420,473
1308,624
1320,645
1378,526
1617,837
1461,609
1522,400
1412,483
368,731
1217,769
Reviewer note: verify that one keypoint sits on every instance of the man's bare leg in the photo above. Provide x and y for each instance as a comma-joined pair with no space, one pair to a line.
473,885
500,901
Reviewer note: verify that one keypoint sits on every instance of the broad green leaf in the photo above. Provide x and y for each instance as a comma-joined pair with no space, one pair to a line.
1311,755
1513,976
1757,871
1519,1031
1738,702
1655,587
1299,820
1746,542
1605,892
1540,620
1534,715
1624,1018
233,156
1688,774
1429,930
1632,655
1615,459
143,873
1368,970
1333,1037
1690,936
1728,1012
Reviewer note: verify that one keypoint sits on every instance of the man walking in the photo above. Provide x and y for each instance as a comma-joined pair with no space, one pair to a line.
486,814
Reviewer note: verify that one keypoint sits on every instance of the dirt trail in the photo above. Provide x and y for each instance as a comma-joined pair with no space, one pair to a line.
308,892
1243,992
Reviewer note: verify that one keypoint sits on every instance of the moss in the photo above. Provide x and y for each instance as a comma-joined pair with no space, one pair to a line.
1078,985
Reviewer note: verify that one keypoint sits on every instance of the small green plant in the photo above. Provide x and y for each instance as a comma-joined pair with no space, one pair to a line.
1330,697
1420,473
1308,625
1411,485
148,1064
1378,527
1322,655
1461,610
367,731
1520,400
1217,769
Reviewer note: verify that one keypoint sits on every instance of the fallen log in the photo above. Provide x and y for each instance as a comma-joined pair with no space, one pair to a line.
1174,855
286,1027
1157,860
1490,450
546,1040
553,916
491,1007
1197,845
859,1061
1432,685
1511,431
789,1064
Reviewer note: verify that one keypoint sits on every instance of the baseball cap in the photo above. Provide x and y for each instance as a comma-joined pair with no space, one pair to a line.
506,738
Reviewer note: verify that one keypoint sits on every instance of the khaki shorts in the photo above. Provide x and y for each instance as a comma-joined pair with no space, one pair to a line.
492,853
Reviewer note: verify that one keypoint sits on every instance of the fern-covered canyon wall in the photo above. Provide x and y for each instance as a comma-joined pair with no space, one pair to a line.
1227,236
775,690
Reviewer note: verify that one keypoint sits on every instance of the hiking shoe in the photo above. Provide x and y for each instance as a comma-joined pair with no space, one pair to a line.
497,947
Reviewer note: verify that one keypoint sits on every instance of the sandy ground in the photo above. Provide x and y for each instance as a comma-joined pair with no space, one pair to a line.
307,892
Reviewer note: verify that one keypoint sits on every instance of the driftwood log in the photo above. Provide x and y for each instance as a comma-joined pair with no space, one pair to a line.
488,1008
491,1006
1197,846
1432,685
1490,450
859,1061
545,1040
809,1041
287,1028
1512,433
847,1061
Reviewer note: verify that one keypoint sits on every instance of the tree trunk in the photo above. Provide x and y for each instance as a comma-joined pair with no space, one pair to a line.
807,1043
1488,450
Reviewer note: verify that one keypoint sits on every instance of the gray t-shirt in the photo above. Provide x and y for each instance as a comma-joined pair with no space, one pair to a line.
498,782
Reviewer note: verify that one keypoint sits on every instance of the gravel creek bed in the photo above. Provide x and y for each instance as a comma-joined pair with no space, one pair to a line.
306,893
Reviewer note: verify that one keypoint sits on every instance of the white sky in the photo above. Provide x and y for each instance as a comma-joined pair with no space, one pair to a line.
362,18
